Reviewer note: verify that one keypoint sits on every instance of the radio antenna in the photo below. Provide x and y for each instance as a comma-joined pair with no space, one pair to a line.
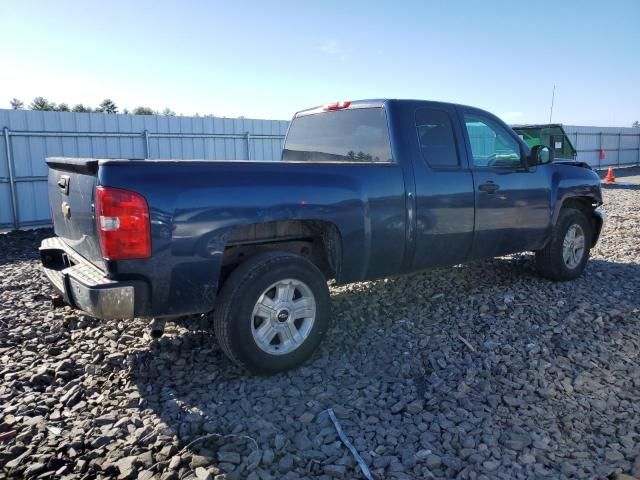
553,97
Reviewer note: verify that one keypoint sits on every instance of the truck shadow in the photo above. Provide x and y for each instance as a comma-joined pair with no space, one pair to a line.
457,338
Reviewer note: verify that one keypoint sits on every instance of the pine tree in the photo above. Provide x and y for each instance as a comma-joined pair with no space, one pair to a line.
80,108
41,103
143,111
108,106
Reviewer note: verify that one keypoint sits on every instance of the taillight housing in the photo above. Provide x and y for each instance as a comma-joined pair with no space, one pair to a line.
122,219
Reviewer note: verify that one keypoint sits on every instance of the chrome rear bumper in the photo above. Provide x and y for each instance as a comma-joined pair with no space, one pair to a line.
83,285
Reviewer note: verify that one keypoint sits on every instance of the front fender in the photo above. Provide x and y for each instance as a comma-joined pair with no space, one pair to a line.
599,219
570,183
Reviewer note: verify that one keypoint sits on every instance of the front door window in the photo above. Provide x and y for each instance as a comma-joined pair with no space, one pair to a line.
491,144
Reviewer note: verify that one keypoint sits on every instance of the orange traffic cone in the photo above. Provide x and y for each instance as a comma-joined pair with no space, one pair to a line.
610,178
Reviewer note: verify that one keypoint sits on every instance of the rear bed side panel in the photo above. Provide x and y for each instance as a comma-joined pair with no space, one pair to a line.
191,201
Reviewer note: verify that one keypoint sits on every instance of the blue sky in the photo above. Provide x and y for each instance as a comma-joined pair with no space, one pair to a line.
267,59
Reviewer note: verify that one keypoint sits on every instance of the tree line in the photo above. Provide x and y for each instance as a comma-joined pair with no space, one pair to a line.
106,106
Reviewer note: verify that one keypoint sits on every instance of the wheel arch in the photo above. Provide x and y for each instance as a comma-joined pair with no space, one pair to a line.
319,241
587,205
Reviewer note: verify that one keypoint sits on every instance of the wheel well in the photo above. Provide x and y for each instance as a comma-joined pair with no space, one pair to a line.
587,205
316,240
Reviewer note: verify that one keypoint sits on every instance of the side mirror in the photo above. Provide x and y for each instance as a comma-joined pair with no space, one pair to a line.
540,155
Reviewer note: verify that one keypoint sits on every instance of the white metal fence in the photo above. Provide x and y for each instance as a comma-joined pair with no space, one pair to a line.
28,137
619,146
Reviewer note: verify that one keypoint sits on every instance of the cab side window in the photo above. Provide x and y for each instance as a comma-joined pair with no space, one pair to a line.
491,144
436,138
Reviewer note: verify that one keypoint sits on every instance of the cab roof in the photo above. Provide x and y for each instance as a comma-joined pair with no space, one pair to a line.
368,103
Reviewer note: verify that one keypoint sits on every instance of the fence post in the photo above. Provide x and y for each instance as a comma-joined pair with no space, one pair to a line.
600,153
12,180
146,143
248,137
619,147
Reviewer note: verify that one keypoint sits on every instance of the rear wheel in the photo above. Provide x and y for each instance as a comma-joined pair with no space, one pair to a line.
272,312
565,256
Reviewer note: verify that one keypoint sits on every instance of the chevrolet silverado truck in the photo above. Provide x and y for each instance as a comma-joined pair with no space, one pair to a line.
364,190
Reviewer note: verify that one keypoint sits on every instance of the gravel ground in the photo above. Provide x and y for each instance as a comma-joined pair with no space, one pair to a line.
478,371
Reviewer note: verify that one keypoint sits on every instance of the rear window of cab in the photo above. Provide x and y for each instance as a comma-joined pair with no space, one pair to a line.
359,135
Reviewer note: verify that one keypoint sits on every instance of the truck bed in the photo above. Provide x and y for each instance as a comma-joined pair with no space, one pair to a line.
199,208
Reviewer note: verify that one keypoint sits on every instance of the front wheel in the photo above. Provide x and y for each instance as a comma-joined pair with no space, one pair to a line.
566,254
272,312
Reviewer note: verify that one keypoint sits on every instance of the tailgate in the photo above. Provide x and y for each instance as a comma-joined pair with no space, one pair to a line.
71,185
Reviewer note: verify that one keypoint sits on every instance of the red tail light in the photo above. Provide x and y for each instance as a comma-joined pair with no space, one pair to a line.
338,105
122,219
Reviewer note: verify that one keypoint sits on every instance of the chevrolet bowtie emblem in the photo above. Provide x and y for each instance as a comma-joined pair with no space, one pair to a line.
66,209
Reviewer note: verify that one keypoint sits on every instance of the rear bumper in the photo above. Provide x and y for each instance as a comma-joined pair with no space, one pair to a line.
86,287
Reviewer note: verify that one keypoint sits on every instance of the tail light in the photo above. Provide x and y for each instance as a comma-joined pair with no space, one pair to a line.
124,228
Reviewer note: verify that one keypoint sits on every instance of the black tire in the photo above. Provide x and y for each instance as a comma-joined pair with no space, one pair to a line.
232,318
550,261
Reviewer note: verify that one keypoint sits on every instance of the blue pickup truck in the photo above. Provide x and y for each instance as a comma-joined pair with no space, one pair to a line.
364,190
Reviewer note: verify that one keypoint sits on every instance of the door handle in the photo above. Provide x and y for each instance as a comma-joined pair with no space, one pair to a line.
63,183
489,187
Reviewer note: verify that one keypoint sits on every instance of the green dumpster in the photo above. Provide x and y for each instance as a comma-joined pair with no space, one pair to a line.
551,135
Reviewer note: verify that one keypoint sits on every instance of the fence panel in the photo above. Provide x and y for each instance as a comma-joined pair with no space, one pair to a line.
32,136
620,146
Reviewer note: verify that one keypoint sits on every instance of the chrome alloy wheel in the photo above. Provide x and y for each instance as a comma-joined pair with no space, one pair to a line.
573,246
283,316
